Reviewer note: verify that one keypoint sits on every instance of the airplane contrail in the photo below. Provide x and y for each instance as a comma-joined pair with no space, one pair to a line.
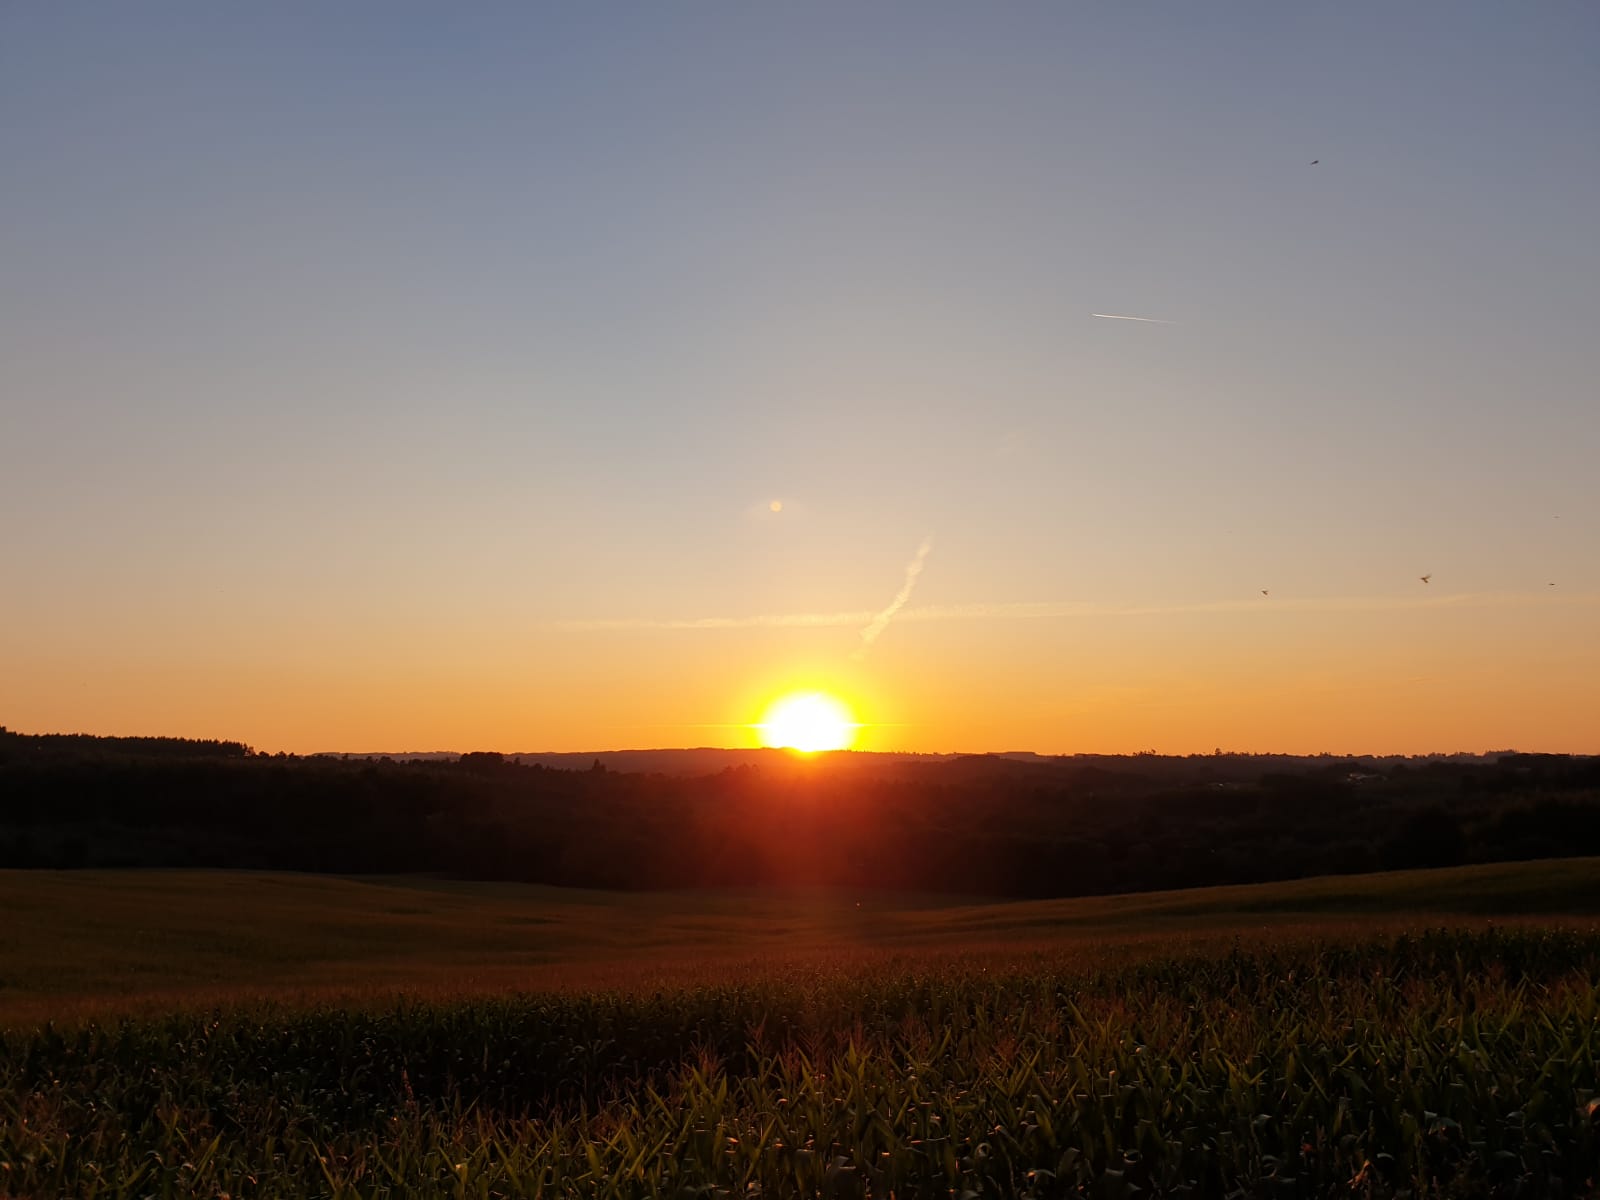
1120,317
880,622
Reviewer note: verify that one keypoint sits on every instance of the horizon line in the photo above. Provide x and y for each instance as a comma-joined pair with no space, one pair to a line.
953,754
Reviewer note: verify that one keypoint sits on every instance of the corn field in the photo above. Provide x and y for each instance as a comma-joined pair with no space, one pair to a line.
1443,1063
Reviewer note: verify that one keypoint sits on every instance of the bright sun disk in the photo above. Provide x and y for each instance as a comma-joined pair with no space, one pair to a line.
808,721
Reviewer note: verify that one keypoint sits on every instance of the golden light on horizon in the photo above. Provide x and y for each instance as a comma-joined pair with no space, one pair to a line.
808,722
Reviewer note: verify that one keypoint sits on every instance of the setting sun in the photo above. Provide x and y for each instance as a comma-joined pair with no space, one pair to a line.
808,721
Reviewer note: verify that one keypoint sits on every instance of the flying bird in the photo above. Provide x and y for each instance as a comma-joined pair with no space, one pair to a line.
1424,578
1315,161
1263,591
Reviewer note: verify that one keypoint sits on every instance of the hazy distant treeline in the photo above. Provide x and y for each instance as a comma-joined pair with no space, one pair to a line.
990,825
64,744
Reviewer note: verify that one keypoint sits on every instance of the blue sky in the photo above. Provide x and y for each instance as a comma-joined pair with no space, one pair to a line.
354,331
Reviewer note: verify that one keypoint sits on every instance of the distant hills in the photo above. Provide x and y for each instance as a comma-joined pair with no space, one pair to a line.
709,760
698,760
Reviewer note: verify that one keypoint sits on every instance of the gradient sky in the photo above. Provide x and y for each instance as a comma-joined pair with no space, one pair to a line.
388,377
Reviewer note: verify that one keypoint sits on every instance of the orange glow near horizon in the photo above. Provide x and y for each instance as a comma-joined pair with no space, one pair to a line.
1452,677
808,722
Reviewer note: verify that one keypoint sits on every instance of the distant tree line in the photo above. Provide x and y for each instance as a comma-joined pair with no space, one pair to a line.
60,744
977,825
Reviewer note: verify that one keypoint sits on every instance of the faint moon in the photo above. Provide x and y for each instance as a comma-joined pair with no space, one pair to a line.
776,506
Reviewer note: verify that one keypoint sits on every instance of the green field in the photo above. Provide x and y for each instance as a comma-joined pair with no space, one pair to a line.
105,941
99,941
1423,1033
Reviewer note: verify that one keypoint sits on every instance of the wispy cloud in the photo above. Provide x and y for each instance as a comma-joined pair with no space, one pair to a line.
1062,610
1301,604
832,620
1122,317
880,621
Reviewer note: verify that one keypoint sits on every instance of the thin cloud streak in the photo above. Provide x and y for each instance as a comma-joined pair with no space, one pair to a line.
880,622
1053,609
759,621
1121,317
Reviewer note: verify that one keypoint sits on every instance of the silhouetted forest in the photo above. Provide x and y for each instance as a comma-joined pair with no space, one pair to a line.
995,825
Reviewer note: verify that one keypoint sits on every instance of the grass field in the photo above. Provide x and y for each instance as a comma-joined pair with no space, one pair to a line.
405,1039
100,942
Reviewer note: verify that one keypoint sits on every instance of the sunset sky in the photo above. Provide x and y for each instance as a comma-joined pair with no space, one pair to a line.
383,377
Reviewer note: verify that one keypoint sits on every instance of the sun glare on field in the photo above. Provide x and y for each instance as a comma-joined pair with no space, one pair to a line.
808,721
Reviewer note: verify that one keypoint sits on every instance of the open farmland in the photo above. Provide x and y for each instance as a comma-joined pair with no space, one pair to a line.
1309,1039
87,943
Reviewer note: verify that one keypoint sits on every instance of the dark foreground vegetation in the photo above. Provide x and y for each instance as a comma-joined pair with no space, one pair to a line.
995,825
1442,1064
